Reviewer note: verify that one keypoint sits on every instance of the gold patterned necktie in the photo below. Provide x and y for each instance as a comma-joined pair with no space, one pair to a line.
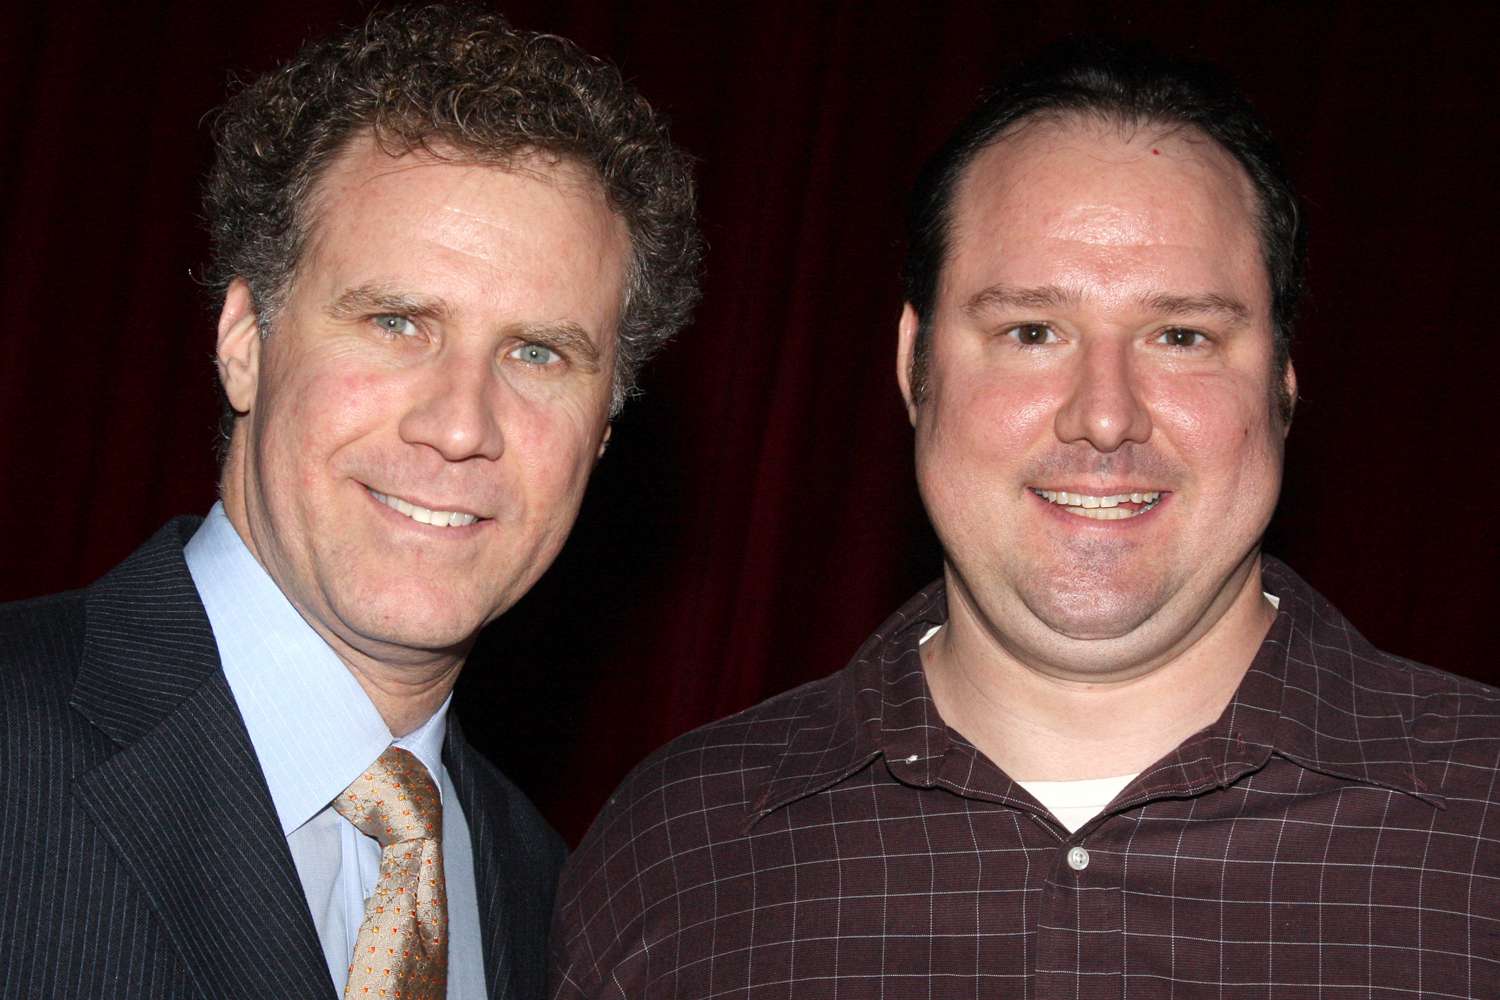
402,949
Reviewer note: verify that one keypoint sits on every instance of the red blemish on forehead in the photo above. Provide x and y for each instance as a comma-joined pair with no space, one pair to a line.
1156,152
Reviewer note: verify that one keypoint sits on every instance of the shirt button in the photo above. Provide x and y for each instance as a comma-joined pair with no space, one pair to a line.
1078,859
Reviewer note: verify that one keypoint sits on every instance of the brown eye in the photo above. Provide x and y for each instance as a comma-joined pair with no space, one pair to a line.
1031,334
1179,337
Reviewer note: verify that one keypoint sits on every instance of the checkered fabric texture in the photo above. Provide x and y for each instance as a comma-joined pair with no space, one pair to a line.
402,949
1335,834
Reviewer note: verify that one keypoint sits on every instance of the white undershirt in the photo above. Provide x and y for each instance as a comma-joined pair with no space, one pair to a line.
1074,803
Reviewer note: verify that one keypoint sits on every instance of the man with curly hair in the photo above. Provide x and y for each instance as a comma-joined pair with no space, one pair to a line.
444,248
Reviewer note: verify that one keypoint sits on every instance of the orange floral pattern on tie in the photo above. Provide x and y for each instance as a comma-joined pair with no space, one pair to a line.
402,949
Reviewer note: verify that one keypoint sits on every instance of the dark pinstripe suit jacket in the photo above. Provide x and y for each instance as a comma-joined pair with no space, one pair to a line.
139,850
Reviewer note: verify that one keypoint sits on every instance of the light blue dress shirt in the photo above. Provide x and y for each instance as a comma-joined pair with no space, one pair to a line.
315,730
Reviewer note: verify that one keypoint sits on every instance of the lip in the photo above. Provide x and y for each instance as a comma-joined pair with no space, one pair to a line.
455,530
1165,498
1095,490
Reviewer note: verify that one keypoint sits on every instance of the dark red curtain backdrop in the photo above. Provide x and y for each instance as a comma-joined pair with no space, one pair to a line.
755,516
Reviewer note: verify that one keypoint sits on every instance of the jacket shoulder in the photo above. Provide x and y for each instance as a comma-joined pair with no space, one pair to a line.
41,643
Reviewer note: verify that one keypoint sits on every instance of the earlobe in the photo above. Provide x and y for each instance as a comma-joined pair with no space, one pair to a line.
906,342
238,351
604,441
1289,389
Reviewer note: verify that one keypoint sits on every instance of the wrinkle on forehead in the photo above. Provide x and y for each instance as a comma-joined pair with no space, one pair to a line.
458,218
456,226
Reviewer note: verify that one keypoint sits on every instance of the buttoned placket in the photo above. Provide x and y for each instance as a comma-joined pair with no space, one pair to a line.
1080,920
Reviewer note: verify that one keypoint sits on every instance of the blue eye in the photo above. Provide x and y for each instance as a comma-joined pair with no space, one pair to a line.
396,326
536,354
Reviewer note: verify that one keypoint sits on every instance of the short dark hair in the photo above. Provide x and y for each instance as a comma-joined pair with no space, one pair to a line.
451,80
1121,84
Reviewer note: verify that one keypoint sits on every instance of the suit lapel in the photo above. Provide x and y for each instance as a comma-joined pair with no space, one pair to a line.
183,800
485,813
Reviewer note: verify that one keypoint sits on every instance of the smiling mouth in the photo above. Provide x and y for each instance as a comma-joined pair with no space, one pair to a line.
436,518
1115,507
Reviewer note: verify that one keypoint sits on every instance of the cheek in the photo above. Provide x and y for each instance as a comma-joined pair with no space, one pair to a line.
314,415
992,418
973,437
555,445
1222,429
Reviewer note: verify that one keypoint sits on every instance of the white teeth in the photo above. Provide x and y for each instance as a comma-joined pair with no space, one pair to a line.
1101,514
1105,508
436,518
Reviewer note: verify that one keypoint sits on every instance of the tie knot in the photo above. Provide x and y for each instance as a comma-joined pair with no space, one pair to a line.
394,800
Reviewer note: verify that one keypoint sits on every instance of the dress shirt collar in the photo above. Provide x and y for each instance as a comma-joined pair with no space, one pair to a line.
313,727
1300,698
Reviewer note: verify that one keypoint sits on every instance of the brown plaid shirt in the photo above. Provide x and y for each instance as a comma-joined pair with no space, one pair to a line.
1335,834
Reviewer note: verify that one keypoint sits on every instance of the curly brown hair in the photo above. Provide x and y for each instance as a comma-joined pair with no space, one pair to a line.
446,79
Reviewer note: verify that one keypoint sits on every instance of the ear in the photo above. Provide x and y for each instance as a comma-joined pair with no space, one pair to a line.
604,441
1289,385
239,346
906,347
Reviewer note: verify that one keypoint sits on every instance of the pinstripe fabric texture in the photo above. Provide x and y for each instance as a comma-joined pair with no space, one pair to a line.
1335,834
517,858
138,831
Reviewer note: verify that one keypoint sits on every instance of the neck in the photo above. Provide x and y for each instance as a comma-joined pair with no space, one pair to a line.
405,699
1040,724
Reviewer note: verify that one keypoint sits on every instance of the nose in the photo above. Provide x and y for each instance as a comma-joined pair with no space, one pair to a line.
455,409
1104,407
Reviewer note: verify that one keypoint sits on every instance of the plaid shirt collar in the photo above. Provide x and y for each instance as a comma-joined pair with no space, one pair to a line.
1301,698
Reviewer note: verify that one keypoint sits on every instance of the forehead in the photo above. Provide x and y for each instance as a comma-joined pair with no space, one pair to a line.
453,219
1094,206
365,176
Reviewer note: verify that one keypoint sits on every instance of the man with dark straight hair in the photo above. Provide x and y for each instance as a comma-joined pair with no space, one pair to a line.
1115,750
228,768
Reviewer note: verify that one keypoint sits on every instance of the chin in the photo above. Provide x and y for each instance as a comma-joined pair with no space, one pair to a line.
419,622
1094,614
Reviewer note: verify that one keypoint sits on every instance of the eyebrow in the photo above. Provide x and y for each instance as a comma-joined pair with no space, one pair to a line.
1053,296
363,300
1010,296
566,337
1179,305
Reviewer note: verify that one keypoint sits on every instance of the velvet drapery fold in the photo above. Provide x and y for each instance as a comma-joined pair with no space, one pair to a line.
756,516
